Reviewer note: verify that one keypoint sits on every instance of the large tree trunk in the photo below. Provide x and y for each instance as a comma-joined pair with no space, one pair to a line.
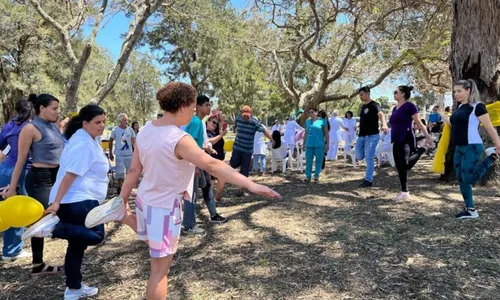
475,47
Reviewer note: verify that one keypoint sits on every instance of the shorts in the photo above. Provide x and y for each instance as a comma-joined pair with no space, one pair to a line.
160,227
122,166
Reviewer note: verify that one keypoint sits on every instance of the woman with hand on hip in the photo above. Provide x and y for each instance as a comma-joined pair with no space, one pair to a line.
42,138
464,123
81,185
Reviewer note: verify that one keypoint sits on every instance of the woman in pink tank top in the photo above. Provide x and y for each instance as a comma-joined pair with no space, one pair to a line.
167,156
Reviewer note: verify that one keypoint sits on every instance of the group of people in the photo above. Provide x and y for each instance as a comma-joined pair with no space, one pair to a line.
179,153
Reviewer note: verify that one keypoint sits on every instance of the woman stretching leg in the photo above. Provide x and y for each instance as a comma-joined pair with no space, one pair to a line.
162,148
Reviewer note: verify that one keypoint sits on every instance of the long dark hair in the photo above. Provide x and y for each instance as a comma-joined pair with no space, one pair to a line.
24,110
41,100
324,116
133,124
87,113
277,139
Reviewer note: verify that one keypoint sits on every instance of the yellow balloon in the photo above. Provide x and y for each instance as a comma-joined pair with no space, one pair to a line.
21,211
3,225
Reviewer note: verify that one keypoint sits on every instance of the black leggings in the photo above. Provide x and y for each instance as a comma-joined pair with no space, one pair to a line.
39,182
405,157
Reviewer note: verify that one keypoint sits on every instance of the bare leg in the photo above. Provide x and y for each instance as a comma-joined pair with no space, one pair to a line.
220,188
158,282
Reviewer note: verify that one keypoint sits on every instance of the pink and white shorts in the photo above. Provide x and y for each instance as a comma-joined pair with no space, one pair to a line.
161,227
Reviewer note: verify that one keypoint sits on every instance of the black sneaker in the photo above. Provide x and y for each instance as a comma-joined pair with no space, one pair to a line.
366,183
467,214
218,219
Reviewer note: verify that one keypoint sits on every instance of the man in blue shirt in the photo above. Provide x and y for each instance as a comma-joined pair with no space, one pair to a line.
196,128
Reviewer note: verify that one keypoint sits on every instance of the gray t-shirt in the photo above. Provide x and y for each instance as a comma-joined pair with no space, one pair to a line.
123,140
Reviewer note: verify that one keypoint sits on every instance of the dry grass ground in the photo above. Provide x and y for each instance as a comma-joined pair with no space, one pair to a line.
321,241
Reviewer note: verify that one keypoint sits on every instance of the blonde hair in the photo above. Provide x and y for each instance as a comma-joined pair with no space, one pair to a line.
469,84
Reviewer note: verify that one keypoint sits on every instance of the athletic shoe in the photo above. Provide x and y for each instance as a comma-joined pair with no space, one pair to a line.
43,228
218,219
402,196
84,291
491,152
366,183
22,254
113,210
467,214
193,230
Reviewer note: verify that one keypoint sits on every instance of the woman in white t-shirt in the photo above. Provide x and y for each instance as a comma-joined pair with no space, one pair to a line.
162,148
81,185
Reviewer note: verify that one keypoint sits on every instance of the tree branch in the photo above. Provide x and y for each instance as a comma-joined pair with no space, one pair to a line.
63,33
134,33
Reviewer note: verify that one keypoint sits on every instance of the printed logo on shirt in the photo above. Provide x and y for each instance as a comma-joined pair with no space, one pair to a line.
125,138
366,110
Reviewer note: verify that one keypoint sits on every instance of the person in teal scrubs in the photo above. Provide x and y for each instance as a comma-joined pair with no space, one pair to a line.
316,143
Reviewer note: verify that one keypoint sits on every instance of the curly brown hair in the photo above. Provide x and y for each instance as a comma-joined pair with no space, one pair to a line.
176,95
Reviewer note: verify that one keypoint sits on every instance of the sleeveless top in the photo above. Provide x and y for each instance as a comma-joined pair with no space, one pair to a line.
165,176
48,150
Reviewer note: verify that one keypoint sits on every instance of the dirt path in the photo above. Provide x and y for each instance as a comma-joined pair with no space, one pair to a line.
321,241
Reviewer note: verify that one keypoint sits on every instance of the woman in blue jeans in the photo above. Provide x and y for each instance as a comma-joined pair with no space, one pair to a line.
316,143
464,123
12,243
81,185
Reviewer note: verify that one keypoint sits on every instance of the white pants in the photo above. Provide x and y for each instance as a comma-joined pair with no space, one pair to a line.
333,149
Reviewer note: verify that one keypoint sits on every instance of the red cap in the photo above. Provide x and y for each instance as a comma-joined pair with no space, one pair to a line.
246,112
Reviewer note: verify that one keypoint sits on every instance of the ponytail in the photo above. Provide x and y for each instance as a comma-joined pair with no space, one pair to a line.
24,110
72,126
470,84
474,96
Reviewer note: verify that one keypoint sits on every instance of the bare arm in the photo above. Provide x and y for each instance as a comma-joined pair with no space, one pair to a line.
133,143
485,119
267,134
132,176
444,117
111,156
381,116
26,137
188,149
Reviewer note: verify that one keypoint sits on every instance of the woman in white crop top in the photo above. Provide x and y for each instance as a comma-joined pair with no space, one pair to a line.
167,156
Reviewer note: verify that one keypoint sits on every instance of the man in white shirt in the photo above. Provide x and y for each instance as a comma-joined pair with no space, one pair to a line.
125,141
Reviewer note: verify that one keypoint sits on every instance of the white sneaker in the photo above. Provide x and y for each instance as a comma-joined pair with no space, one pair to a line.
491,150
402,196
84,291
43,228
113,210
22,254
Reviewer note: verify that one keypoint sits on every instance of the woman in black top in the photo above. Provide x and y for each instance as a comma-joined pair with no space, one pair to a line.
216,137
464,123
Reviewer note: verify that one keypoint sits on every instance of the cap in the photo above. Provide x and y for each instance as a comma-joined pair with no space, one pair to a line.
246,111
